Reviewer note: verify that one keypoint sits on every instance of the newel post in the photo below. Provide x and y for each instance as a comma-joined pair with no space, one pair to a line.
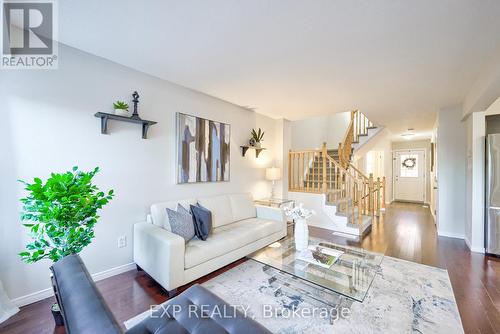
324,152
383,192
370,194
379,186
339,153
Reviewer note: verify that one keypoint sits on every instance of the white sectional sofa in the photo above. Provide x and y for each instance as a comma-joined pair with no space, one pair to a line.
239,227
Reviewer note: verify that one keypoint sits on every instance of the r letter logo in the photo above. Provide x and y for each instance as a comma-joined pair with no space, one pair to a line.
28,34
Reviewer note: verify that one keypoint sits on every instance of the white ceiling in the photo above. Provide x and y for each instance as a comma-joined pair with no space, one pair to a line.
397,61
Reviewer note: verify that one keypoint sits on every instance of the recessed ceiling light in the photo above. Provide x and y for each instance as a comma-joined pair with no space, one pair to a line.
408,135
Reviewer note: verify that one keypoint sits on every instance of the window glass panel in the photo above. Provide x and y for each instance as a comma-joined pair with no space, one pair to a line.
409,165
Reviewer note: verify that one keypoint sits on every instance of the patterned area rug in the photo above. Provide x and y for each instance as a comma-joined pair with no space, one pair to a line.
405,297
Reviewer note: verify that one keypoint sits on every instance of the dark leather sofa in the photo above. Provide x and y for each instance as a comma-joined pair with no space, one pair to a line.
85,311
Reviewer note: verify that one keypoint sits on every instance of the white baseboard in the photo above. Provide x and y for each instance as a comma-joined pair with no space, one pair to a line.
451,235
473,248
46,293
477,250
467,242
33,297
113,271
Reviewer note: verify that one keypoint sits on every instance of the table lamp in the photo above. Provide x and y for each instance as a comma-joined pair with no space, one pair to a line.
273,174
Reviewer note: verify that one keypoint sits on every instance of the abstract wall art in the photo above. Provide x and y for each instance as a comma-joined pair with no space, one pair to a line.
202,150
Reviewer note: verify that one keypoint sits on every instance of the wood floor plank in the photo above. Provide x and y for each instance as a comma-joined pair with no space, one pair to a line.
404,231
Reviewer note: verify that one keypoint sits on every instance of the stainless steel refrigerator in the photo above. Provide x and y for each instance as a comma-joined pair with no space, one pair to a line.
492,209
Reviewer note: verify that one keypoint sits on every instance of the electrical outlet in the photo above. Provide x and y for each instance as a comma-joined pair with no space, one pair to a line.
122,241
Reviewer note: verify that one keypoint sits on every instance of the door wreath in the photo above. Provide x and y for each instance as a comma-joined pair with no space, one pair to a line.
409,163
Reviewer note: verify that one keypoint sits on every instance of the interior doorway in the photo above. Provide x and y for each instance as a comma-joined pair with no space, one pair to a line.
409,175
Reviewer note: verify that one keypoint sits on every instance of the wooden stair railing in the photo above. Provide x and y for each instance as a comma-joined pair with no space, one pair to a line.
345,147
358,126
375,188
315,171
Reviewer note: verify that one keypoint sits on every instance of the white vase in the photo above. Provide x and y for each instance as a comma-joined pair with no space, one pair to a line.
122,112
301,234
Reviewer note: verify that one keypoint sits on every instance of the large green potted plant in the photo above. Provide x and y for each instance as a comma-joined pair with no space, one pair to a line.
60,214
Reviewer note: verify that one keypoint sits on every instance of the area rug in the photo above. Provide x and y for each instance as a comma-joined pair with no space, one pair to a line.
405,297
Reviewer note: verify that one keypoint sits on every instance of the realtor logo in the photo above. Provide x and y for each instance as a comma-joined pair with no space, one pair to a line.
28,34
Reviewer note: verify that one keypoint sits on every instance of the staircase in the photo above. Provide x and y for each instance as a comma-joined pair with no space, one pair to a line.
349,199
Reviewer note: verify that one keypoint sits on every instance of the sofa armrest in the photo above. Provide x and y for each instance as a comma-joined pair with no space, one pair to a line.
269,213
160,253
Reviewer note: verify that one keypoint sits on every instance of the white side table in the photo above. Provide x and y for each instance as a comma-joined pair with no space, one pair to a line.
277,203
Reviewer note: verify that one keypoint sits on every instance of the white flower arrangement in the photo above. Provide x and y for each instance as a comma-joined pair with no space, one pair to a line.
299,212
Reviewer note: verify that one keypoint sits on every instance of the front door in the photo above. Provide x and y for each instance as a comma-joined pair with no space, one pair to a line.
409,175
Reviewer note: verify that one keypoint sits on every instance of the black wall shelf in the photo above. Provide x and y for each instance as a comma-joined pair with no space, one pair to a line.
134,119
244,150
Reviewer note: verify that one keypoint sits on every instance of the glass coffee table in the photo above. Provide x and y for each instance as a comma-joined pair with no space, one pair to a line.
320,268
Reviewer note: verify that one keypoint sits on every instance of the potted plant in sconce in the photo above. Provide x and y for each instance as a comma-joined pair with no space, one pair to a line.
257,138
60,215
121,108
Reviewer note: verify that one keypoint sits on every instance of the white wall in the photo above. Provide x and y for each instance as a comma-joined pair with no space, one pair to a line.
286,144
486,88
451,173
48,125
311,133
381,142
474,224
433,176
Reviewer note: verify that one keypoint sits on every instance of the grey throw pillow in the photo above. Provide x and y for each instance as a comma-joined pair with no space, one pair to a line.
181,222
184,211
202,221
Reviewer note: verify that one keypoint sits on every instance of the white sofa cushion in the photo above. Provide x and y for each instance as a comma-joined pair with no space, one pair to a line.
220,206
227,238
242,206
159,211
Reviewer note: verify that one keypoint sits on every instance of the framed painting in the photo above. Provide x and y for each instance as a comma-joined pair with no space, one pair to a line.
203,148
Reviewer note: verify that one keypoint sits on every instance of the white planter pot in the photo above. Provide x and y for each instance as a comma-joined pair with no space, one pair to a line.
122,112
301,234
258,145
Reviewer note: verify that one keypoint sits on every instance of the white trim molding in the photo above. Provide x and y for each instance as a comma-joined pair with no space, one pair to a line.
450,235
113,271
46,293
474,249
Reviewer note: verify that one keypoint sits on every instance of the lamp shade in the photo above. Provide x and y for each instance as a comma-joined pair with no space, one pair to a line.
273,174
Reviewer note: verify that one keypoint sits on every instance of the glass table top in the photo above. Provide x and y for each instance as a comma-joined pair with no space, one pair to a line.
342,269
274,201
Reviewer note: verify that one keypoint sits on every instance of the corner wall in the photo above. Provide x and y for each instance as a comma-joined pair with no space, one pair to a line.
451,173
380,142
474,224
311,133
48,125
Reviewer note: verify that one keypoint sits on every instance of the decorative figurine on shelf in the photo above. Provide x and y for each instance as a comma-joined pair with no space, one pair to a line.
257,138
135,100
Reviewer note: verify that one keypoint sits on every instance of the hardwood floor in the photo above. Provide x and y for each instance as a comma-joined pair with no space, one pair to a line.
405,231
